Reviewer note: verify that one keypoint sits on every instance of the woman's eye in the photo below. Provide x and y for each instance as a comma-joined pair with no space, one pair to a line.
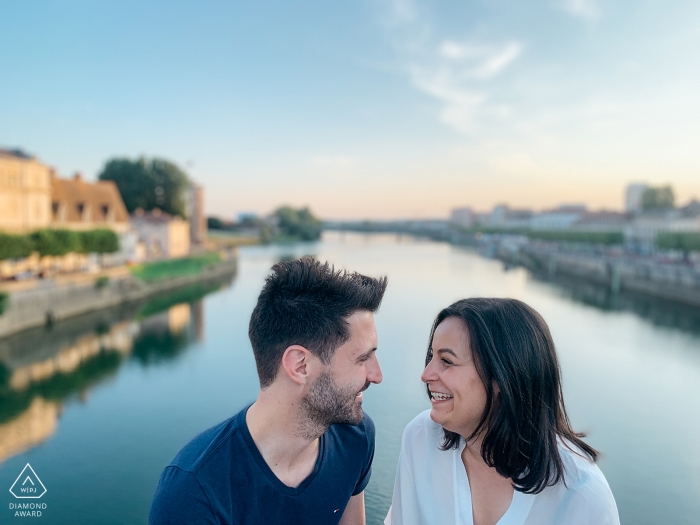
446,361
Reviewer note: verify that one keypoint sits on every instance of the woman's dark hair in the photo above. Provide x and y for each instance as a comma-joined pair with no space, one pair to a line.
305,302
525,418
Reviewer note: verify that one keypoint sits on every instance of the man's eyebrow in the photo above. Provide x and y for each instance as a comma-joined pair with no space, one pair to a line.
366,355
446,351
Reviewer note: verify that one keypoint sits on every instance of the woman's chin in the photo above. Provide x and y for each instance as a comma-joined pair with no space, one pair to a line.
437,416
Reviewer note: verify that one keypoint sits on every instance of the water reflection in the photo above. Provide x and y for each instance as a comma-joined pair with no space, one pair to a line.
41,369
657,311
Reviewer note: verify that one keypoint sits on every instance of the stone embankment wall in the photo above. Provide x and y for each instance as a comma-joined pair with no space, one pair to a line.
52,301
672,282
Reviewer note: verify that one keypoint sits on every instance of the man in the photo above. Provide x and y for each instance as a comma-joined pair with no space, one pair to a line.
302,453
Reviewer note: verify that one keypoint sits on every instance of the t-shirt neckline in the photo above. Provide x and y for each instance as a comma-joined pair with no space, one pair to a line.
265,468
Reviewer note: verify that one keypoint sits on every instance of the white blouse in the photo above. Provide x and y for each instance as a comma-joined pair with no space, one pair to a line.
432,488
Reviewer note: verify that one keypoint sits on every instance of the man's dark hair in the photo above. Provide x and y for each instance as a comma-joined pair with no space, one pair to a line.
524,421
305,302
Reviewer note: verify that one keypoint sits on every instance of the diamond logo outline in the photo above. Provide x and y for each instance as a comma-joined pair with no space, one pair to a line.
27,477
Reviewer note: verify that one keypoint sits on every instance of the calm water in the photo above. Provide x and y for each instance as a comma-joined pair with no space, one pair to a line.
100,404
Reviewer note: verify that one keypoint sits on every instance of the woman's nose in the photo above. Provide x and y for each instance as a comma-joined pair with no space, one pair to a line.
428,373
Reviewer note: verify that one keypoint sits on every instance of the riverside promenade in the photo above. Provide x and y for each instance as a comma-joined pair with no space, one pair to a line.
664,275
41,302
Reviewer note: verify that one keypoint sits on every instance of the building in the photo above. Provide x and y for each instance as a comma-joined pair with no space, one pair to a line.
194,208
602,221
634,195
161,235
462,217
561,218
502,216
80,205
25,192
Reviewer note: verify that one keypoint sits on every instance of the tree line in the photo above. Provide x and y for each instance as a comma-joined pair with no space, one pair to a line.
50,242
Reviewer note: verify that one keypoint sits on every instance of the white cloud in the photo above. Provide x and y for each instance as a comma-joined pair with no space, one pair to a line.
457,74
582,8
497,62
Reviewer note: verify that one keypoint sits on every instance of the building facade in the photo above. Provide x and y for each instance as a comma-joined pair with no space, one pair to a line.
194,206
161,235
25,192
80,205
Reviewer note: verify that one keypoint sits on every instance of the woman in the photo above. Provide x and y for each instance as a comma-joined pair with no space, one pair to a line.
497,446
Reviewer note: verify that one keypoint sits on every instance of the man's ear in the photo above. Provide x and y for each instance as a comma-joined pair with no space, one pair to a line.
296,363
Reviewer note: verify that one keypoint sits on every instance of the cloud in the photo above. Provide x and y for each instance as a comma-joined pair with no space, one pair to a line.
582,8
457,74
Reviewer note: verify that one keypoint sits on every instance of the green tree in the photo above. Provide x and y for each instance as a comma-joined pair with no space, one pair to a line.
214,223
659,198
56,242
298,224
683,241
15,246
148,184
101,240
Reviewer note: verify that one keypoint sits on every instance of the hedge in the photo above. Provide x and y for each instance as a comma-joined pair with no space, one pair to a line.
559,235
58,242
684,241
15,246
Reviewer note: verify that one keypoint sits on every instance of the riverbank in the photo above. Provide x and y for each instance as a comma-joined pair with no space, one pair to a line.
47,301
663,275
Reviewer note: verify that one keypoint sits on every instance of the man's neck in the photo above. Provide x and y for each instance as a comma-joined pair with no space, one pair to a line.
285,443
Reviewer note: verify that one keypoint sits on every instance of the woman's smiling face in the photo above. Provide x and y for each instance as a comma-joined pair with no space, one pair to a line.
457,393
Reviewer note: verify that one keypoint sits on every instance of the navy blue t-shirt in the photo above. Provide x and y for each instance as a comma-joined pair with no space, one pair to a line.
221,477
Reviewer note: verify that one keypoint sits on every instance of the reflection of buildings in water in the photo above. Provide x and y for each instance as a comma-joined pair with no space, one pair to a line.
173,321
657,311
70,358
64,362
31,428
198,320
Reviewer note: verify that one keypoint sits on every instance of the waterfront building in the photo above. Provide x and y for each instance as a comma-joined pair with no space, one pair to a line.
462,217
25,192
633,197
561,218
162,235
602,221
502,216
80,205
194,206
641,232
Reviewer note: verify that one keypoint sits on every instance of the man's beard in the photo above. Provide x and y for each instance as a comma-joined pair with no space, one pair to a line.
328,404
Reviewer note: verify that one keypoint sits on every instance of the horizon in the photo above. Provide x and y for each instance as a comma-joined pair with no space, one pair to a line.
382,109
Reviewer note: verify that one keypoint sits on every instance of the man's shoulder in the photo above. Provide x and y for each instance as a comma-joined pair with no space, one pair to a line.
212,443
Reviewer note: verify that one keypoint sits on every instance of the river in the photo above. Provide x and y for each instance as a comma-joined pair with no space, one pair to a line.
98,405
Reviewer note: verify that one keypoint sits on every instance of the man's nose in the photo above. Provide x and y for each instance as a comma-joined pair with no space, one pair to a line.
374,372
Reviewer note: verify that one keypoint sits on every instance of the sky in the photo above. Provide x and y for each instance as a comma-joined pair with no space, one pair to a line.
364,108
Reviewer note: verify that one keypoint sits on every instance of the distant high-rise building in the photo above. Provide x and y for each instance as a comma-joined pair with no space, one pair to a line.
633,197
462,217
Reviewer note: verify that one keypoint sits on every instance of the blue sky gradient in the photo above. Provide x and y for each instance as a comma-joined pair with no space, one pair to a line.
362,109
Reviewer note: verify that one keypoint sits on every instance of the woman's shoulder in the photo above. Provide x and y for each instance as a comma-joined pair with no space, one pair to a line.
579,467
421,432
582,475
